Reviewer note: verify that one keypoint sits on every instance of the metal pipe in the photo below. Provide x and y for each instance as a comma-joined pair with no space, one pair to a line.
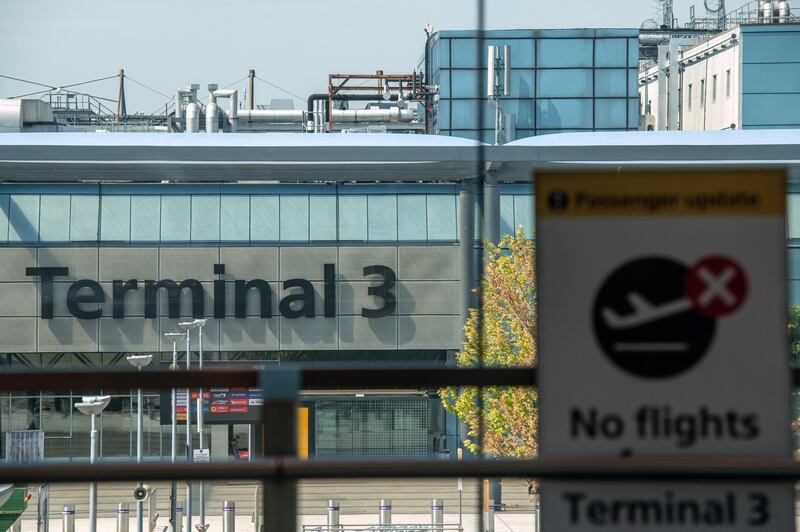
333,515
272,116
93,484
437,514
323,97
251,75
139,448
228,516
188,434
192,118
178,518
173,495
233,105
68,518
212,117
385,512
123,517
355,116
200,428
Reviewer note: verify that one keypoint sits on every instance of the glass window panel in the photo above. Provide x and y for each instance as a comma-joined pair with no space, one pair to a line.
443,114
771,47
522,83
294,218
794,293
4,216
54,218
264,218
523,214
564,114
464,53
323,217
352,217
793,215
564,53
611,113
382,217
611,52
24,225
235,218
770,78
771,110
611,82
633,114
205,218
567,83
506,215
83,219
441,210
465,83
145,218
444,84
464,114
115,218
175,218
411,218
794,263
444,53
633,53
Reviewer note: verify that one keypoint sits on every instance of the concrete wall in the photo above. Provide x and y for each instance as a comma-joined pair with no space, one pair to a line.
426,317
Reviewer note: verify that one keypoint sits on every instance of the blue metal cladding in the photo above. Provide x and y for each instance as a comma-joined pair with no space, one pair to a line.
770,76
561,80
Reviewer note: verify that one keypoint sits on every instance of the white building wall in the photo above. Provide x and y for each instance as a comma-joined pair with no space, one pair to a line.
648,95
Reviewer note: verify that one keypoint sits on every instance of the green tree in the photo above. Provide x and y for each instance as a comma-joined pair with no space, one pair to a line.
508,340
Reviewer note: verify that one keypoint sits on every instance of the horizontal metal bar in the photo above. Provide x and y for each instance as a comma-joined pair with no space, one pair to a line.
378,378
590,469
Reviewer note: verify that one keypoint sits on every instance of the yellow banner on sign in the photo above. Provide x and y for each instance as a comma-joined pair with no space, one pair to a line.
661,194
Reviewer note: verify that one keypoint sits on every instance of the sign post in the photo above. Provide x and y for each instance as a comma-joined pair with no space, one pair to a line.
662,332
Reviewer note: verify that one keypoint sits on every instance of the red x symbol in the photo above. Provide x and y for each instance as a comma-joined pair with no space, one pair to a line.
716,285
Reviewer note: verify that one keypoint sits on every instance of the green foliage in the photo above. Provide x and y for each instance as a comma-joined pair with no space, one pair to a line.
794,334
508,340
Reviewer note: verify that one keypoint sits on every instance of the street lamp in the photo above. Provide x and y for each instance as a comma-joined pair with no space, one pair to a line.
138,362
199,323
173,497
92,406
188,326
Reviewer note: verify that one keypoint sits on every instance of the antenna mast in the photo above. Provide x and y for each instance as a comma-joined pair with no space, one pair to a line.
121,111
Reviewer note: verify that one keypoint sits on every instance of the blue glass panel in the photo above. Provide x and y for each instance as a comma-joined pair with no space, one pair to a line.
54,218
781,47
633,83
264,218
353,217
465,83
235,218
564,83
633,114
444,84
523,213
441,211
24,218
464,114
176,218
793,215
464,53
205,218
611,113
774,78
382,217
506,215
793,255
444,53
322,217
611,52
443,114
294,218
411,218
4,216
608,82
145,218
794,293
522,84
115,218
565,53
564,114
633,53
771,110
83,220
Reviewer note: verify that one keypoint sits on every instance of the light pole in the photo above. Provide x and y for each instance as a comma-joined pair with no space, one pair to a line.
199,323
173,495
138,362
188,326
92,406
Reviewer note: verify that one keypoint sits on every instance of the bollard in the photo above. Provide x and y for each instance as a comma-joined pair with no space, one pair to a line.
437,515
123,517
333,515
178,518
488,517
228,516
385,512
68,518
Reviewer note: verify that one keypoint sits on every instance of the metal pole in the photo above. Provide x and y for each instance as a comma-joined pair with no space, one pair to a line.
466,245
178,517
385,512
92,485
200,427
460,454
139,448
123,517
437,514
173,494
228,516
250,89
333,515
68,518
188,434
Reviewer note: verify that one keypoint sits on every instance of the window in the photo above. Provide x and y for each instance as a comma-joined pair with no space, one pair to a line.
689,98
702,92
714,88
727,83
353,217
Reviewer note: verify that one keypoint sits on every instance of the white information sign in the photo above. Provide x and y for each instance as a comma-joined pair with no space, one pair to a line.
202,456
662,332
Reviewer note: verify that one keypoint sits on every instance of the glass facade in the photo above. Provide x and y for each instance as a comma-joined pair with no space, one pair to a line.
561,80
